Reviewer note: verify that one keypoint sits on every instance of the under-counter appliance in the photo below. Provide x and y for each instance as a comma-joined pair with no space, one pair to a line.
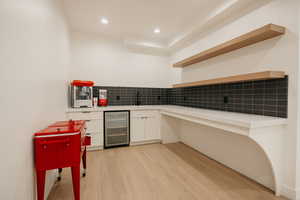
116,128
82,94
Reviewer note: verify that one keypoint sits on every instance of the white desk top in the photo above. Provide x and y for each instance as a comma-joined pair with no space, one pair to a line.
237,119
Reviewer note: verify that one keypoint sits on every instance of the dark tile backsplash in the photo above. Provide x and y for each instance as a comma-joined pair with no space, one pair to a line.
133,96
266,97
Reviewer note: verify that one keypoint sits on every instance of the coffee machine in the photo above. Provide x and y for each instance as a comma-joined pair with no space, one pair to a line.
82,94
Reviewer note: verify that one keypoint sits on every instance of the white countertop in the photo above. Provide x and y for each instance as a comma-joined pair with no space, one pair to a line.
108,108
233,118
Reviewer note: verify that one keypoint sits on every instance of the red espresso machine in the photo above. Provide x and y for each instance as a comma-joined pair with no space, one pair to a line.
60,145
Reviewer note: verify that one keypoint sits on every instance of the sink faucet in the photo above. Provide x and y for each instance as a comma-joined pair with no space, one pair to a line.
138,99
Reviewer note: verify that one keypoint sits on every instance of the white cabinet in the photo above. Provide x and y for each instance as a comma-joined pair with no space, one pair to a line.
94,126
145,126
152,131
137,129
97,140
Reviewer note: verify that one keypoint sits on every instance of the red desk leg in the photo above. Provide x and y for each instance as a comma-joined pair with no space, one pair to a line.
40,183
84,161
76,181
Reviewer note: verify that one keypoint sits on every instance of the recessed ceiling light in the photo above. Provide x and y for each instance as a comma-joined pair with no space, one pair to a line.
104,20
157,30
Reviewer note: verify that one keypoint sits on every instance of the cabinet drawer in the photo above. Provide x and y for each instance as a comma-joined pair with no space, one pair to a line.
85,115
138,114
94,126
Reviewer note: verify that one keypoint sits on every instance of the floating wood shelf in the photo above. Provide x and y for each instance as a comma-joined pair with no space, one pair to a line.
233,79
266,32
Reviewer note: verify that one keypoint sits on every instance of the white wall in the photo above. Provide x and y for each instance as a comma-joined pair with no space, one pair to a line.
107,61
298,137
275,54
34,60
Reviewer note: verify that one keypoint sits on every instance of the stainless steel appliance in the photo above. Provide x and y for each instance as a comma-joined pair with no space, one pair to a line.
82,94
116,128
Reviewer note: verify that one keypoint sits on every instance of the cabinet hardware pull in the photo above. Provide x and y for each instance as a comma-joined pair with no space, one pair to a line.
86,112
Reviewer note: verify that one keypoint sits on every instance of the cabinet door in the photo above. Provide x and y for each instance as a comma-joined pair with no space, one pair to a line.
152,128
94,126
97,141
137,129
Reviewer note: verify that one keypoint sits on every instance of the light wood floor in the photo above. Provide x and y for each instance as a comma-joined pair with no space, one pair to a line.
158,172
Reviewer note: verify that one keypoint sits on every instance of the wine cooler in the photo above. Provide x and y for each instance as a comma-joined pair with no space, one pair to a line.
116,128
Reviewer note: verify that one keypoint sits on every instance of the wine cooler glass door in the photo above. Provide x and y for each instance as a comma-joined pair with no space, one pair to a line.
116,128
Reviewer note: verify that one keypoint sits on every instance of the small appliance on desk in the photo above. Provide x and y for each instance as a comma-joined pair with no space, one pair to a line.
103,98
82,94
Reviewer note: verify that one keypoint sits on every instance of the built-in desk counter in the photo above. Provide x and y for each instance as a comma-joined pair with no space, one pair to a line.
267,132
230,121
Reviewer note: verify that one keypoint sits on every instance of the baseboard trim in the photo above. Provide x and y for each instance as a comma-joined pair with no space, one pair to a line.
289,193
297,193
94,148
144,142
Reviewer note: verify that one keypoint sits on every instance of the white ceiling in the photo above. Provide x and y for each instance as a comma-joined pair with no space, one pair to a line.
134,20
